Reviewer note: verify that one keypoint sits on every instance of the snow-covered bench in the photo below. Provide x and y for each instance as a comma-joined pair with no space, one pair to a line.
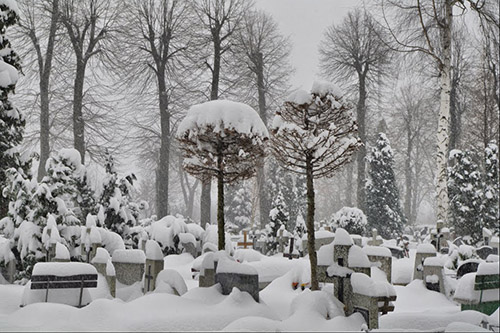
72,275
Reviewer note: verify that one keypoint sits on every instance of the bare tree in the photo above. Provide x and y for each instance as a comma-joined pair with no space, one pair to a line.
427,27
33,26
354,50
88,24
265,72
224,140
314,134
219,20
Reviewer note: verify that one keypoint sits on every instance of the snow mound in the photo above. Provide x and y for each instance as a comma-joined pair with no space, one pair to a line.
357,258
320,234
63,268
487,268
171,278
342,237
248,255
229,266
434,261
323,88
300,97
8,74
426,248
325,255
110,268
316,301
129,256
153,250
101,256
221,115
62,252
459,326
379,251
365,285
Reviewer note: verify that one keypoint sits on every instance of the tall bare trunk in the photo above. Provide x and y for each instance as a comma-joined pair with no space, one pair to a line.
163,176
348,191
444,115
78,121
361,154
408,178
45,70
220,202
313,259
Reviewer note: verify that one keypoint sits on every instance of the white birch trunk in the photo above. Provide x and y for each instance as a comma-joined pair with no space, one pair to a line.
443,137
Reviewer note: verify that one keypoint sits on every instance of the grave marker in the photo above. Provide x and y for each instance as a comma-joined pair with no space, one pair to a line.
129,265
154,265
245,243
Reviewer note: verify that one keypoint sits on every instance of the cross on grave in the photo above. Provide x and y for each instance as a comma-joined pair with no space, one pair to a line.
245,243
290,254
149,277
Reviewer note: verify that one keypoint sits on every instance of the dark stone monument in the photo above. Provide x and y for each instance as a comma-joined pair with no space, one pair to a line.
467,267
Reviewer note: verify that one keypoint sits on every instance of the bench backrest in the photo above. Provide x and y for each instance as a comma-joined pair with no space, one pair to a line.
63,282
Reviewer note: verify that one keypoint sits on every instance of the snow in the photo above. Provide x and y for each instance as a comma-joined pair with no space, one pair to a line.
129,256
434,261
153,250
325,255
486,268
110,268
225,265
342,237
323,88
248,255
171,278
432,278
8,73
320,234
111,240
195,229
221,115
357,258
465,291
101,256
459,326
300,97
72,156
6,254
337,270
492,258
426,248
63,268
377,251
62,252
186,238
365,285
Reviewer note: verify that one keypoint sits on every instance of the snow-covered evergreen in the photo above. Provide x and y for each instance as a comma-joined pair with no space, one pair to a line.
238,206
352,219
278,219
490,204
383,209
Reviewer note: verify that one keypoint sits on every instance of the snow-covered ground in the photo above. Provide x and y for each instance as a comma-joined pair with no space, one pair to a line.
281,308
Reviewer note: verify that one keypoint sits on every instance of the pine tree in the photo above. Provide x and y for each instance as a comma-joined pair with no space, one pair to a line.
383,209
464,189
12,121
490,203
238,209
278,218
85,197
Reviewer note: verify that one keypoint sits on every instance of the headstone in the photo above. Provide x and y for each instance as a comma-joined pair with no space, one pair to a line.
433,274
376,239
292,252
424,250
231,274
190,248
396,251
339,271
245,242
357,239
61,253
208,267
111,278
283,238
381,257
484,251
322,237
358,261
468,266
154,265
129,265
100,260
495,244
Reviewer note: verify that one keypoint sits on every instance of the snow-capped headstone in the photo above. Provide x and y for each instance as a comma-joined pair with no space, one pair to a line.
111,277
100,260
433,274
129,265
61,254
231,274
380,257
358,261
424,250
376,240
154,265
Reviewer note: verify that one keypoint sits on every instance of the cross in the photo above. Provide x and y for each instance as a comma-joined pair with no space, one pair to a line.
149,277
244,243
290,254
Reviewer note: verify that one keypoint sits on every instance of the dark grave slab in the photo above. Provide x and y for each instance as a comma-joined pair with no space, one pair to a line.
244,282
484,251
467,267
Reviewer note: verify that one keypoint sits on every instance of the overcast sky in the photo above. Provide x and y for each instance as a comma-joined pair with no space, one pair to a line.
305,22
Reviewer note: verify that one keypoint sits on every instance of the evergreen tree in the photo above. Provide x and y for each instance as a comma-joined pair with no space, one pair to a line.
278,219
383,209
352,219
85,197
238,209
490,203
12,121
464,190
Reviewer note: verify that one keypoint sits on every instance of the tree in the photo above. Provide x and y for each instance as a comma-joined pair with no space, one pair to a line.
383,209
219,20
314,134
352,219
238,210
490,204
33,27
354,50
12,121
225,140
278,219
464,187
427,27
88,23
265,73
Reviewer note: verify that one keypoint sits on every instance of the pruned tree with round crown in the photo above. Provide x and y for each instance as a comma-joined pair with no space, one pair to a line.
314,134
223,140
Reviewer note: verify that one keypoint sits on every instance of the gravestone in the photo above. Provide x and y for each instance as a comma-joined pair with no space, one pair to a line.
61,253
209,266
376,240
189,243
381,257
129,265
154,265
231,274
357,239
424,250
100,260
358,261
468,266
322,237
245,242
111,277
484,251
292,251
340,271
396,251
433,274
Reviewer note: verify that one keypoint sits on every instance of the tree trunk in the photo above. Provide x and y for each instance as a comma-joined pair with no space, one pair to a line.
163,177
444,115
220,202
360,156
78,122
45,71
264,207
408,177
310,224
348,192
